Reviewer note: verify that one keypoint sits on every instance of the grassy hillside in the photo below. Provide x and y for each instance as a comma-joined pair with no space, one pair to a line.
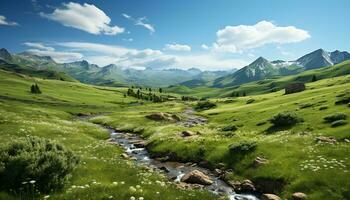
267,85
102,173
296,162
31,71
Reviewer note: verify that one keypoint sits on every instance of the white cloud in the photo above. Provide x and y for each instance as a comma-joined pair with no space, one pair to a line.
128,39
140,22
86,17
240,38
177,47
3,21
204,46
57,56
38,46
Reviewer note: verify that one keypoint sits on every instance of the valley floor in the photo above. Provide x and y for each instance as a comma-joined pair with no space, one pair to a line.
295,161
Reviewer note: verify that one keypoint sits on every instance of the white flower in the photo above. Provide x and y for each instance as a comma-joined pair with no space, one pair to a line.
132,198
47,196
115,183
132,189
32,181
141,198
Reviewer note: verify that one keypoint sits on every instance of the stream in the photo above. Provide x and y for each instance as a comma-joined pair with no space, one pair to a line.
173,170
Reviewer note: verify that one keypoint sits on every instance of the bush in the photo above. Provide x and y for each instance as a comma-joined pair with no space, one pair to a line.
285,119
32,158
229,128
205,105
338,123
249,101
335,117
242,147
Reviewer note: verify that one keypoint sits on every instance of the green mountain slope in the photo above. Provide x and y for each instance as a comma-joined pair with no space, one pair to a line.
267,85
41,73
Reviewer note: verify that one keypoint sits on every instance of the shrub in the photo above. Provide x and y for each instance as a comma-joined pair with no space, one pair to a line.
32,158
338,123
250,101
229,128
306,105
335,117
242,147
205,105
285,119
323,108
343,98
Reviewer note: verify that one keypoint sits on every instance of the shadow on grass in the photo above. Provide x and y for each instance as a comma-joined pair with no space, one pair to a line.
274,129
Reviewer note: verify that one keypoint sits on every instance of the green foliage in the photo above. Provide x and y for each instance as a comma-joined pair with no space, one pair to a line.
34,89
229,128
205,105
242,147
285,119
335,117
338,123
314,78
49,164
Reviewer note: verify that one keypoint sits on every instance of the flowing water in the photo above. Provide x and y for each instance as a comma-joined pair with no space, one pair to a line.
173,170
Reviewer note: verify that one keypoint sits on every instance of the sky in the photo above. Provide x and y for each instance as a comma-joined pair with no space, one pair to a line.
206,34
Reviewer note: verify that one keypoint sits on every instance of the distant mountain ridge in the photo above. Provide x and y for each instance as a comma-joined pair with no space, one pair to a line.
112,74
262,68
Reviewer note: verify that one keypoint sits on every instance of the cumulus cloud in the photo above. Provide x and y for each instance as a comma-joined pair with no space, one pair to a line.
140,22
86,17
3,21
38,46
244,37
177,47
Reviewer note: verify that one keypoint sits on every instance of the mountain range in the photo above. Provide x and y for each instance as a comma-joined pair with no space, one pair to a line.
261,68
113,75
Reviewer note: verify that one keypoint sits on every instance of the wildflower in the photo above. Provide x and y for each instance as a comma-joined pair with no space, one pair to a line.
23,183
132,189
47,196
115,183
32,181
141,198
110,197
132,198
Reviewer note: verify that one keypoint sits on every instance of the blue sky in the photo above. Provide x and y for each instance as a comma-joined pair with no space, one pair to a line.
162,33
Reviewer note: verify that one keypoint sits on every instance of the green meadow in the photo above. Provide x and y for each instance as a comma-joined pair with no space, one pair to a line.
296,161
101,172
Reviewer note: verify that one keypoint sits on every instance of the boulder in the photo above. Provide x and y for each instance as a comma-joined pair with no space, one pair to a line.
247,186
325,139
270,197
197,177
187,133
124,155
299,196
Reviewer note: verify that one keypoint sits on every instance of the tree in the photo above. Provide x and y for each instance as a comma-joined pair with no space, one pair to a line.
314,78
138,94
150,89
244,94
35,89
160,90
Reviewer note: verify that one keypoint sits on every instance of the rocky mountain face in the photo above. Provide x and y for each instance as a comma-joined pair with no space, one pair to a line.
5,55
262,68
